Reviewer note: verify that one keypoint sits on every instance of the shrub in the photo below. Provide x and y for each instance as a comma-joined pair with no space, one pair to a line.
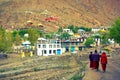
36,69
2,70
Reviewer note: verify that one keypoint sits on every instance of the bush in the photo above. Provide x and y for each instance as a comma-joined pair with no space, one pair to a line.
2,70
107,50
89,41
76,77
36,69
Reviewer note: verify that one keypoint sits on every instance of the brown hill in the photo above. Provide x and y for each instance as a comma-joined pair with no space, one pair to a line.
54,13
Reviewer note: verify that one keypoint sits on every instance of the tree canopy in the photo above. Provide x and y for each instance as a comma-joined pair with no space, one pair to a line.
114,31
5,40
89,41
85,28
33,35
73,28
65,36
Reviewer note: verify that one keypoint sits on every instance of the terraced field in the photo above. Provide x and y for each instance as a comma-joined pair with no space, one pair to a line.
41,68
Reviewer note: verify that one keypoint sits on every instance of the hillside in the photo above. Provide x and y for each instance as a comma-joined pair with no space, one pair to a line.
90,13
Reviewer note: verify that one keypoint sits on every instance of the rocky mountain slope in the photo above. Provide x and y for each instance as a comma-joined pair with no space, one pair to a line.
54,13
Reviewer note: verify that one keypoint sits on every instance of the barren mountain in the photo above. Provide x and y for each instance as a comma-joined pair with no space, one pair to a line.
54,13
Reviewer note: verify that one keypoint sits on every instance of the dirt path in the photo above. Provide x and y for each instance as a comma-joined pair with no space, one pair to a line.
112,73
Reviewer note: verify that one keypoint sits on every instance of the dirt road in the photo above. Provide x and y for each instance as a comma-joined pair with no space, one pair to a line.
112,73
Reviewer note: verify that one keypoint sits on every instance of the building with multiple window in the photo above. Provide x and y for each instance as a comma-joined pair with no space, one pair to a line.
48,47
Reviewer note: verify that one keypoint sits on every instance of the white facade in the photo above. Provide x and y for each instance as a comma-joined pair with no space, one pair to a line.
97,41
95,29
46,48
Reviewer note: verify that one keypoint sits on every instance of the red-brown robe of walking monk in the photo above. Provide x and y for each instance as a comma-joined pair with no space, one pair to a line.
103,61
96,58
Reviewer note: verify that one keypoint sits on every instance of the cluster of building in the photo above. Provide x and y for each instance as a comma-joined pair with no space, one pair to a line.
47,47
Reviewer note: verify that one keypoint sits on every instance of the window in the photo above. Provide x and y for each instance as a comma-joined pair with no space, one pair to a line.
54,46
76,43
50,51
54,51
58,46
39,46
44,46
50,46
45,52
72,43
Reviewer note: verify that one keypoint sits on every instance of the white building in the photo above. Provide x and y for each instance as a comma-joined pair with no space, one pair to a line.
100,28
68,31
95,30
48,47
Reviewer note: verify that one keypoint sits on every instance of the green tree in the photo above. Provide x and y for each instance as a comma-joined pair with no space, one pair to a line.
86,29
5,40
114,31
33,35
41,33
2,41
104,37
76,29
17,39
22,32
60,30
89,41
14,33
104,40
8,41
65,36
73,28
48,36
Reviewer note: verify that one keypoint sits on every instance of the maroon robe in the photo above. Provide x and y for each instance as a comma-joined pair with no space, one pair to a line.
103,61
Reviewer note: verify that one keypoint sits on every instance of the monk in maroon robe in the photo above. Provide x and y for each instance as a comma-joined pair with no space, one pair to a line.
103,61
96,59
91,59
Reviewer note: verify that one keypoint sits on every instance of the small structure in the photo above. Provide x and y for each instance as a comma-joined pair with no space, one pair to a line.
48,47
26,44
81,32
45,12
41,27
51,18
68,31
26,49
26,35
96,29
29,23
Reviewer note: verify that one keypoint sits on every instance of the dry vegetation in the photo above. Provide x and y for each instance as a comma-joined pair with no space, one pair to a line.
90,13
41,68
